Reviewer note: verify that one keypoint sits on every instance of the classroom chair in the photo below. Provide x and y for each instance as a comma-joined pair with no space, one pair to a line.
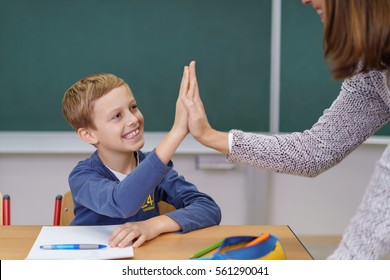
165,207
63,209
5,209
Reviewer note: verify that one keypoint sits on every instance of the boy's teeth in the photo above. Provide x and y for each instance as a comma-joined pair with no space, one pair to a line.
132,134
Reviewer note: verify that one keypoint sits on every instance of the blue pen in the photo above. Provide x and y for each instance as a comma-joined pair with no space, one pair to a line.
72,247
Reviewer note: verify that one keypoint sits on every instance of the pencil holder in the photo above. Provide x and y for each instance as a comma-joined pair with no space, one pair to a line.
239,248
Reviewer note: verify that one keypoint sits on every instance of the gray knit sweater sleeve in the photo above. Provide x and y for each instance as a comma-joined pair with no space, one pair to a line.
361,108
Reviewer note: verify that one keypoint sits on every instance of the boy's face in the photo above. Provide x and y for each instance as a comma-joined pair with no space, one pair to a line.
119,123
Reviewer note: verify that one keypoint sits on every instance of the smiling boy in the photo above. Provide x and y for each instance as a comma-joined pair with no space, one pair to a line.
121,185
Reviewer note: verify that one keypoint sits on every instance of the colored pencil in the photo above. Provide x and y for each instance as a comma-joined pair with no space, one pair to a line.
206,250
259,239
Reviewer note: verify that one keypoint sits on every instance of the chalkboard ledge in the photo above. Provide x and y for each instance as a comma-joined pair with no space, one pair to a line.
378,140
68,143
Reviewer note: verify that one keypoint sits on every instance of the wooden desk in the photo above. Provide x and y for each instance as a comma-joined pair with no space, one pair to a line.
16,242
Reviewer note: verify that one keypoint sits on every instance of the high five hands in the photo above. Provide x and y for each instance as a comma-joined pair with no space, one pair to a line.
198,123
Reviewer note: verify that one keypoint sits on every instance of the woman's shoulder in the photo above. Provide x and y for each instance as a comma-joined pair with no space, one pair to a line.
380,80
372,82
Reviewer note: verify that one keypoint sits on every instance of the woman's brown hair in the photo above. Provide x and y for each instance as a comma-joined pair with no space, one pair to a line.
357,36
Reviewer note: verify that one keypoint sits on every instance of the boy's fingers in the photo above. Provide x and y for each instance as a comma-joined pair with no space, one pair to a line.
139,242
127,240
115,233
184,81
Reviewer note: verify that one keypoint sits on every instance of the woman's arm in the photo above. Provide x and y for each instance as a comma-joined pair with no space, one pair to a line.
356,114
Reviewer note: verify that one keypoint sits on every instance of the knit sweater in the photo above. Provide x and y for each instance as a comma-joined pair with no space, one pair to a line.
368,234
361,108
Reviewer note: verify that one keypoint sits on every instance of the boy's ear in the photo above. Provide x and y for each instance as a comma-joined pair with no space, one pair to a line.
87,135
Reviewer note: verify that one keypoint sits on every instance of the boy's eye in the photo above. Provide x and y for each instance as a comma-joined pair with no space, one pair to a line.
117,116
134,108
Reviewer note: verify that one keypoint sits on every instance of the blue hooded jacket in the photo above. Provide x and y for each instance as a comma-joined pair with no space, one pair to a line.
101,199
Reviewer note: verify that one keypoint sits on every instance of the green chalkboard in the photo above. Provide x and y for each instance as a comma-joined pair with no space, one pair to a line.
46,45
306,85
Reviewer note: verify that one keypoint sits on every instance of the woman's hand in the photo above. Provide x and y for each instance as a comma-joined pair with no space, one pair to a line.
198,123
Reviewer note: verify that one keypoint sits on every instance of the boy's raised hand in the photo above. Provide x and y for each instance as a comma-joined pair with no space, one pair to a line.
179,131
181,115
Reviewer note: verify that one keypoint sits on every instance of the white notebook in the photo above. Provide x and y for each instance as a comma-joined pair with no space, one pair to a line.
50,235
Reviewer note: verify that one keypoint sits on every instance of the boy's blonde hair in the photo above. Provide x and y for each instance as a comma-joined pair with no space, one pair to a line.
79,99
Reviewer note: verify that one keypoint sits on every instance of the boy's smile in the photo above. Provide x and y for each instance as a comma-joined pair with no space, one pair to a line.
131,134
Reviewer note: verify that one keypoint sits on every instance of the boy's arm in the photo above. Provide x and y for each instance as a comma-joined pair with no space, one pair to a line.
142,231
194,209
168,146
92,189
